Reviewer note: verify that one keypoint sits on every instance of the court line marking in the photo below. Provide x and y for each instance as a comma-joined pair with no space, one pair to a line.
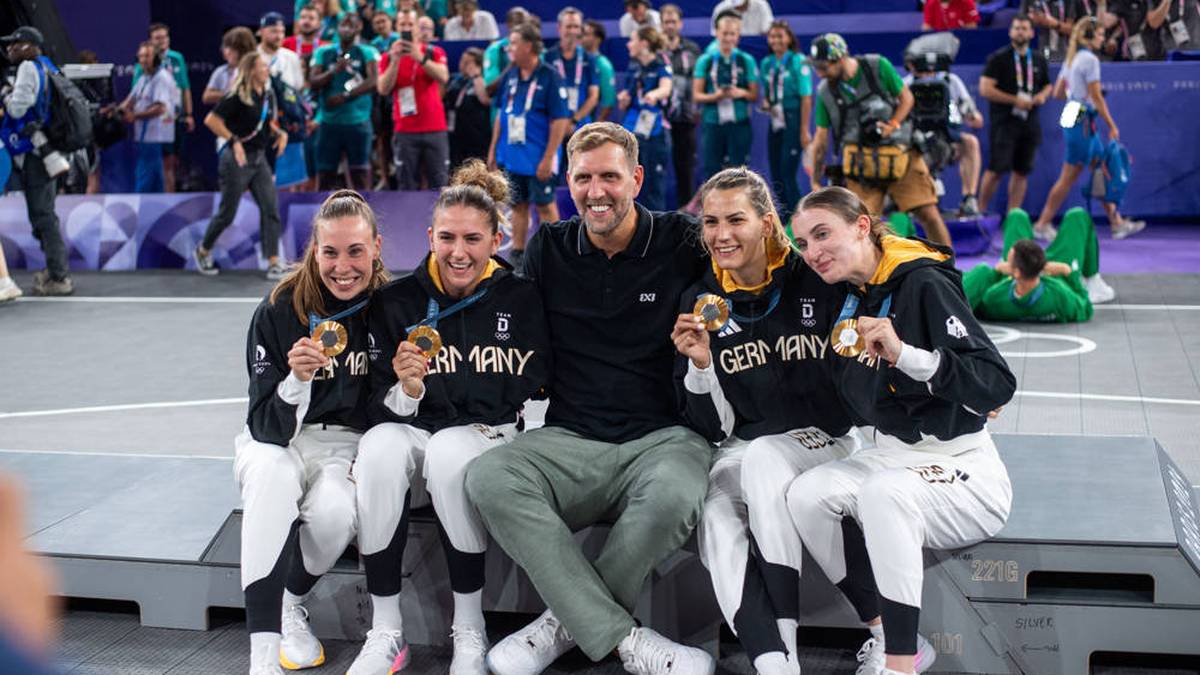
1107,397
143,299
126,406
14,451
1183,308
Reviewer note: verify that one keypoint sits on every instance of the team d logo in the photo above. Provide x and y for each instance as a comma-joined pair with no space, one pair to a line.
955,328
807,313
502,332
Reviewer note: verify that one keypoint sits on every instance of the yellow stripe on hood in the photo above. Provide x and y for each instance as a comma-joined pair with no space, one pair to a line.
434,274
897,251
776,257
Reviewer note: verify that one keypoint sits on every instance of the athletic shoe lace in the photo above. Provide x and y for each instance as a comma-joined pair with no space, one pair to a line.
295,618
380,642
548,631
870,656
647,655
467,639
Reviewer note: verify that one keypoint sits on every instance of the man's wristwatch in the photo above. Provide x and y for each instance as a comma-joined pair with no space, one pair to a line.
425,58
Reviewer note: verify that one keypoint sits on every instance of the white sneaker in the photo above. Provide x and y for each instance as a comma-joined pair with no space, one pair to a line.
470,651
265,662
299,648
775,663
645,652
1126,228
1098,291
9,290
383,653
872,659
532,649
1045,232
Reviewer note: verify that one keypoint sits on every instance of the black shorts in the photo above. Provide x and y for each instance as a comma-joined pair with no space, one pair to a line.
1012,146
176,147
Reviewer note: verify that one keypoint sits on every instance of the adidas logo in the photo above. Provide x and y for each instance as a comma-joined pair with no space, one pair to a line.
730,328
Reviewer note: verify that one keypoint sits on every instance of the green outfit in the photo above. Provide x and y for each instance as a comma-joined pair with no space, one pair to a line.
1055,299
532,492
495,60
785,83
356,110
434,9
889,80
607,81
726,142
795,79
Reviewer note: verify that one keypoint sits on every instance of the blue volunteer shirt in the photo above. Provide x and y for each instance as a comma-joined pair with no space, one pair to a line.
639,80
577,72
540,106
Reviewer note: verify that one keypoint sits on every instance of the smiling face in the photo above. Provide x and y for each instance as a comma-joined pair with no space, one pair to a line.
570,29
603,187
346,254
729,31
835,249
734,234
145,57
462,243
777,40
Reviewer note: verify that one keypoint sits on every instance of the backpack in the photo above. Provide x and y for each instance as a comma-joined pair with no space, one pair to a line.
1110,175
68,115
293,113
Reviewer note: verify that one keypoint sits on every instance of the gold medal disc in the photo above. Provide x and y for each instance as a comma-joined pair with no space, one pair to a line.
713,309
427,339
332,337
846,339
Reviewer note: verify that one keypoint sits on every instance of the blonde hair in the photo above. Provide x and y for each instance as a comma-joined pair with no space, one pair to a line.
596,134
474,186
757,193
651,36
243,82
847,206
305,279
1087,24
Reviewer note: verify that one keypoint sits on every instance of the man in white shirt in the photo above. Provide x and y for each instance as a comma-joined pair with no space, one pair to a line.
283,62
150,108
756,15
638,14
472,23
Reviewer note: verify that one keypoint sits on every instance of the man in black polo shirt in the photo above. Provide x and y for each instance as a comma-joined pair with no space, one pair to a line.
613,448
1016,81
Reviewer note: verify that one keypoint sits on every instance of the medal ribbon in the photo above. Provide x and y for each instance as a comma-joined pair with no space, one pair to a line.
851,305
771,305
432,316
313,319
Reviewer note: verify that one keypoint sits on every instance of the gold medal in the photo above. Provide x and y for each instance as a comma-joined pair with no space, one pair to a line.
846,339
713,309
332,337
427,339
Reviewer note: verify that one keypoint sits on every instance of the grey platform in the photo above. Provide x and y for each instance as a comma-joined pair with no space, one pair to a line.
1100,554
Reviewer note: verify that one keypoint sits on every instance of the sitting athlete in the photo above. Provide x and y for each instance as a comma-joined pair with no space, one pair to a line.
308,403
761,388
1059,284
476,349
934,478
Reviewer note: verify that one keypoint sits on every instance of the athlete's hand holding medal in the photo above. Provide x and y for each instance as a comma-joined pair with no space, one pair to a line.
306,357
410,365
880,339
690,334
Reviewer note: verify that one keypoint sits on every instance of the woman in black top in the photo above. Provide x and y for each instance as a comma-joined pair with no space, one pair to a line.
246,120
467,110
308,409
758,385
911,362
440,404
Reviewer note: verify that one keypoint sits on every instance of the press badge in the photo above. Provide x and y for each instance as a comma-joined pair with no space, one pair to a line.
1137,48
778,121
408,101
725,111
516,129
1070,114
1179,31
573,99
1024,114
450,115
645,123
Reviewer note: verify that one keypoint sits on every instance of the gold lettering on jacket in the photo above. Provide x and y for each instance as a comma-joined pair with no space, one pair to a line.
356,362
483,359
753,354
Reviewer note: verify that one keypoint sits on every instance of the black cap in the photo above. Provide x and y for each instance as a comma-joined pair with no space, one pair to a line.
270,19
24,34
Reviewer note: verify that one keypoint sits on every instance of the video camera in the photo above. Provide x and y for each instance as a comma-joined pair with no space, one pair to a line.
933,111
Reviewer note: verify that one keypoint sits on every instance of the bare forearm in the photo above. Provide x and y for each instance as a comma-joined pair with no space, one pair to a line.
438,71
589,104
387,81
558,131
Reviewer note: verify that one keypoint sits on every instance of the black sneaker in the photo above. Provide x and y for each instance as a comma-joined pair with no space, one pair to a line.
969,208
204,262
51,287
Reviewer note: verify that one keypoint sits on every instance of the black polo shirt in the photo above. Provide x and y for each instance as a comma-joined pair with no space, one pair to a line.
610,323
1001,66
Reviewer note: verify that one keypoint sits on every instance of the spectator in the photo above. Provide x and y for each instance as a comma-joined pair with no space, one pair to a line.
787,84
289,169
593,37
381,24
1079,83
530,126
381,112
245,120
1136,29
331,18
725,83
439,12
949,15
411,73
28,103
959,111
307,35
756,15
471,23
1183,26
284,63
644,97
426,29
467,105
150,107
1053,20
681,113
1016,83
576,68
638,14
236,43
343,77
495,57
181,109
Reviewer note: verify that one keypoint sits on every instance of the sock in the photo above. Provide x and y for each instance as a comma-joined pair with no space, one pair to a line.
876,630
787,631
264,648
771,663
468,609
385,612
290,598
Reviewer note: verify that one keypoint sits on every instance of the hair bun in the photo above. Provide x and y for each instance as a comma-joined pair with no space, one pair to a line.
475,172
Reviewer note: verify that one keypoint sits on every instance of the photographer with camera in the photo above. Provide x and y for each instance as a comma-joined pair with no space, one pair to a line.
864,105
26,116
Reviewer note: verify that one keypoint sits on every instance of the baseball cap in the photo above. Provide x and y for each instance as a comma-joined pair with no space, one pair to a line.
828,47
270,19
24,34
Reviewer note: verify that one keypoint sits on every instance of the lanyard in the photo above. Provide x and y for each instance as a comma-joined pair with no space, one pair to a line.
313,319
578,66
851,305
733,70
432,315
512,92
1024,83
467,86
683,58
777,76
1029,300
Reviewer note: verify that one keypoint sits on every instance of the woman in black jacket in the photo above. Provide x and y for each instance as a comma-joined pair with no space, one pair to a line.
759,385
913,363
468,345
